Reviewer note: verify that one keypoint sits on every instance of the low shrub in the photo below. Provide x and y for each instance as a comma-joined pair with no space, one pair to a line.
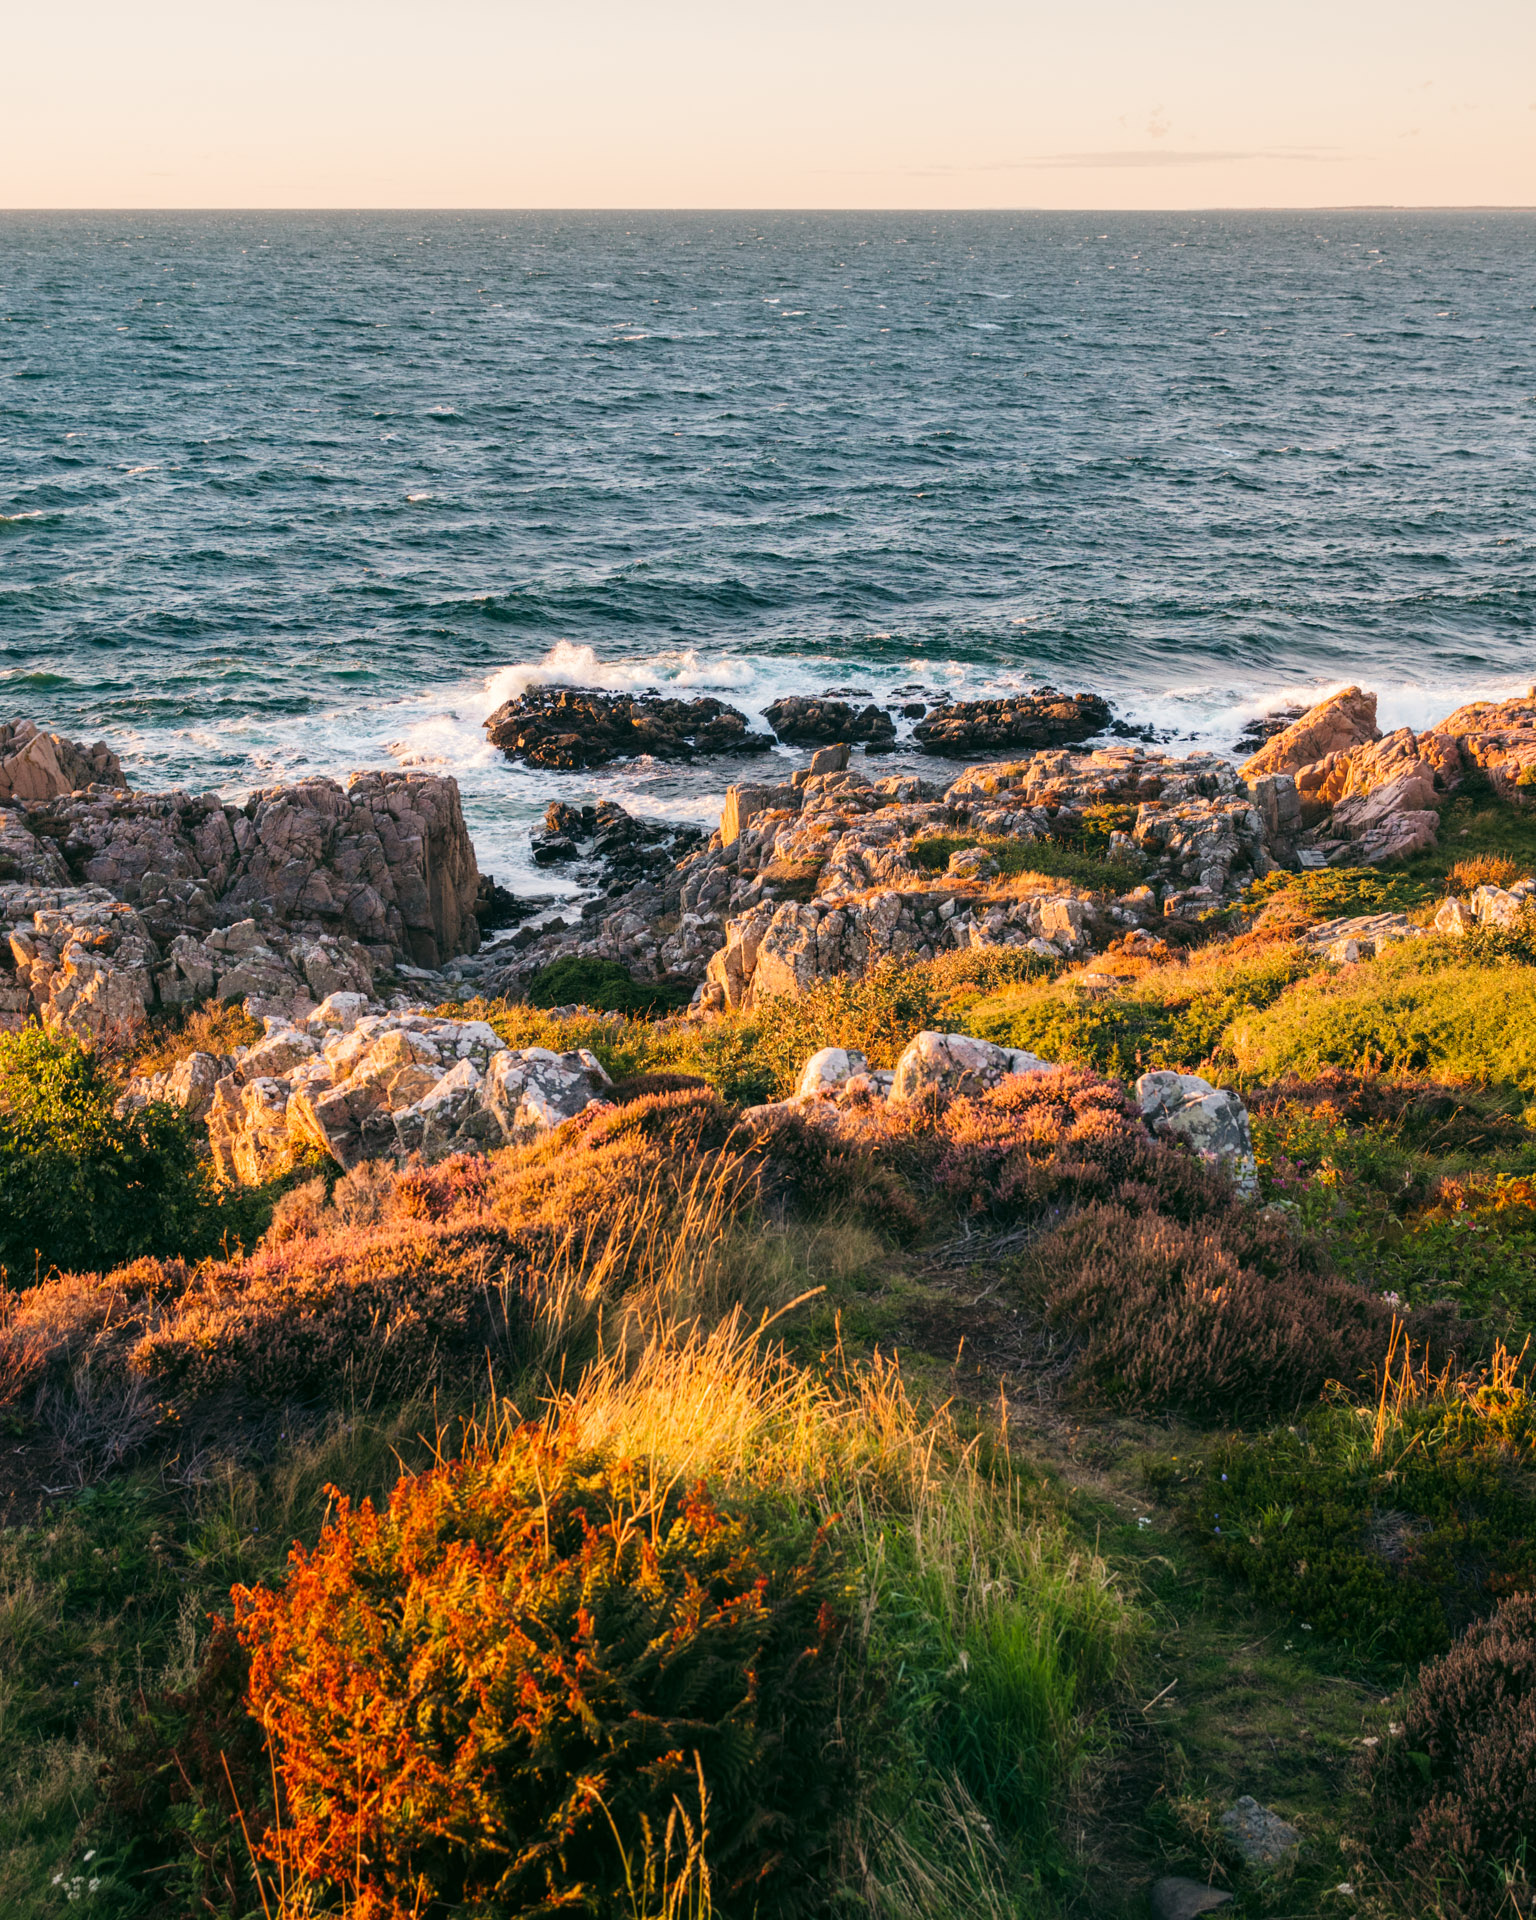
79,1185
1220,1318
1081,862
1453,1790
1334,893
491,1694
1173,1016
215,1026
1425,1008
581,980
1386,1523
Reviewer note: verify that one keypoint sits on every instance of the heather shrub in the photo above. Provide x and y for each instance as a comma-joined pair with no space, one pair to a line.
1221,1317
1453,1791
79,1185
1334,893
1386,1522
486,1696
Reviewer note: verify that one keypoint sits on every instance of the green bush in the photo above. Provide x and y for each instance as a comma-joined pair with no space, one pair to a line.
1084,864
1339,893
1176,1016
81,1187
1425,1007
580,980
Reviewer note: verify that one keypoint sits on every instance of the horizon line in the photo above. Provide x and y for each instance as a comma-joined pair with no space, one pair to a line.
1364,206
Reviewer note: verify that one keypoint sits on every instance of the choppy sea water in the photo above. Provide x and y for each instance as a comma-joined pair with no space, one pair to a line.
306,492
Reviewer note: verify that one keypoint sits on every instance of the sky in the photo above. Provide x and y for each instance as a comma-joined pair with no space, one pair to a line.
800,103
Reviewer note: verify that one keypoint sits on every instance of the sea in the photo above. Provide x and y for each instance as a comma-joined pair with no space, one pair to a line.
299,493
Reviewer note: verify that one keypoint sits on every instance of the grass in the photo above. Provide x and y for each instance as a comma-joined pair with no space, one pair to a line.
1082,863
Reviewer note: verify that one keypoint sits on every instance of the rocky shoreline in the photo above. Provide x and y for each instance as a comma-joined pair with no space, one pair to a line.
328,911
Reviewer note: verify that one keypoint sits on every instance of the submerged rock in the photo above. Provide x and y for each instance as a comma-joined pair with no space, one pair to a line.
570,727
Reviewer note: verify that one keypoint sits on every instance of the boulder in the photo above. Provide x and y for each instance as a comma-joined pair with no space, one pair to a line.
1044,718
1499,736
805,719
1455,917
189,1084
953,1063
42,766
1361,937
387,1086
1210,1120
1175,1898
1501,906
828,1070
1338,724
572,727
1259,1837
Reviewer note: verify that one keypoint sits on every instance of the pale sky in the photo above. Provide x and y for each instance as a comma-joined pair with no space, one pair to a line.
794,103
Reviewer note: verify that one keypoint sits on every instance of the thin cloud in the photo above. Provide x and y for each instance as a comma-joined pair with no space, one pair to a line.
1140,157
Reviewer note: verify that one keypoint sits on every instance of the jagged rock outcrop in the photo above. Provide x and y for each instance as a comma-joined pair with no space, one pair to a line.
361,1085
1332,727
1360,937
812,719
35,765
611,841
1044,718
84,962
1499,736
831,855
570,727
112,902
1210,1120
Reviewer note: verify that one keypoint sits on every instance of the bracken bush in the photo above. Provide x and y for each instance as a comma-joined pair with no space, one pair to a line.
1453,1793
488,1697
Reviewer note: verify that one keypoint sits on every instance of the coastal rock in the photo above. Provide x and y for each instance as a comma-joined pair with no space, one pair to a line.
386,1086
570,727
1454,917
1502,907
1499,736
1044,718
189,1085
1387,837
809,719
611,840
1342,942
1210,1120
953,1063
1337,725
41,766
82,962
1259,1837
386,862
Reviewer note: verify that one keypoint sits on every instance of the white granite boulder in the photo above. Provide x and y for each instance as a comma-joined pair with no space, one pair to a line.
954,1063
1210,1120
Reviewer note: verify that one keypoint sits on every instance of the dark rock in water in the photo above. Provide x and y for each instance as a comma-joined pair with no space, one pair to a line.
606,837
1044,718
1256,732
1129,730
811,719
496,908
569,727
